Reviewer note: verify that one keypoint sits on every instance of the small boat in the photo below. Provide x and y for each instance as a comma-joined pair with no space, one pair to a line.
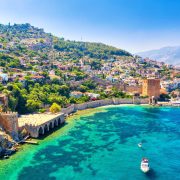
145,165
31,142
140,145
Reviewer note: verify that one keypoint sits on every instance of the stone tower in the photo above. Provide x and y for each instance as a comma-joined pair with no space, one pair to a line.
151,87
9,122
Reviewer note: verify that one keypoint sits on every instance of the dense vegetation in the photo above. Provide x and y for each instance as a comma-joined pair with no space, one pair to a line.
8,61
72,49
93,50
37,97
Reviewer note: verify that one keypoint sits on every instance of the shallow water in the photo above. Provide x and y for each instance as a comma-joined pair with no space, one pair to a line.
102,144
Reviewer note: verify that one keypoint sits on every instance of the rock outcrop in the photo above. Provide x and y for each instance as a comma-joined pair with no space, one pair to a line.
6,144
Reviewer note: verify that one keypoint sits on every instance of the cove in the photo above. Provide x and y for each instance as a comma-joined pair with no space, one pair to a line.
101,144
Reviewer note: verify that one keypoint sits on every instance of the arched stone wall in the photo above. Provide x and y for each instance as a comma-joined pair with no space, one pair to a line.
51,125
46,128
40,131
56,122
59,121
36,131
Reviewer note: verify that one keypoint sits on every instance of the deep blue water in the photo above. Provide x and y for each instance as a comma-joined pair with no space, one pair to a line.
102,145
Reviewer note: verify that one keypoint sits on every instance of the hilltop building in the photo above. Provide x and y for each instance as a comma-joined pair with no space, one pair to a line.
151,87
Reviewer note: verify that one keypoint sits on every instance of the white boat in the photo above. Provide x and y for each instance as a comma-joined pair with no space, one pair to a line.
140,145
145,165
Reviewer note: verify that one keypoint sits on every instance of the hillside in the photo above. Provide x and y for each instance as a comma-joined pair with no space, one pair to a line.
27,38
169,55
38,69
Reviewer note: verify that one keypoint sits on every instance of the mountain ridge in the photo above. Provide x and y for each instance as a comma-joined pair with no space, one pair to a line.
169,54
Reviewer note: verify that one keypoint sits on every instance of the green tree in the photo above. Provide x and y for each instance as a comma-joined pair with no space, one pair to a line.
83,88
12,103
64,90
55,108
33,105
89,84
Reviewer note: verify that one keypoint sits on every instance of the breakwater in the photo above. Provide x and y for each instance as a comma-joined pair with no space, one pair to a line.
104,102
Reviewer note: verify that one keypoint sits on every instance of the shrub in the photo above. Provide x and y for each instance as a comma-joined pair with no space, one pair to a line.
55,108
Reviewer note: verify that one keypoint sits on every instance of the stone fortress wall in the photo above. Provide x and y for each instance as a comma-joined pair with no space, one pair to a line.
98,103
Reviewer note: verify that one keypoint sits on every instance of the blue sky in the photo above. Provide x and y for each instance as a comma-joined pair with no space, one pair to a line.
133,25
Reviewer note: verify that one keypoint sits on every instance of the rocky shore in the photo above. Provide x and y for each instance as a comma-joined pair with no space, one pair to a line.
7,145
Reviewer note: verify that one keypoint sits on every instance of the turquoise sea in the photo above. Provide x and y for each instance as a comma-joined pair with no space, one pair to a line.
101,144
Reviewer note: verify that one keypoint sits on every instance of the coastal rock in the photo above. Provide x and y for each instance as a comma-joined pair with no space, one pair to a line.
6,144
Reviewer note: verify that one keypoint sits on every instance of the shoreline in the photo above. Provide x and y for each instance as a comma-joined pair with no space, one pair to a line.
77,112
105,102
80,112
68,117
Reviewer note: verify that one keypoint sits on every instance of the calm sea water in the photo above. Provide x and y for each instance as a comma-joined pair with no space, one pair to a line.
102,145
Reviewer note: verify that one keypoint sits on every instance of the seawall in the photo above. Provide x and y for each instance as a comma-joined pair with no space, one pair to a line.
104,102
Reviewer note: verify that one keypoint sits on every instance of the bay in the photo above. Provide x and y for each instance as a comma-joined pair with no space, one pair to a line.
101,144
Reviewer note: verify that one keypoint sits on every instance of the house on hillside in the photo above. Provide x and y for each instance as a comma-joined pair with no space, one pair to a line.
37,78
4,77
92,96
76,94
